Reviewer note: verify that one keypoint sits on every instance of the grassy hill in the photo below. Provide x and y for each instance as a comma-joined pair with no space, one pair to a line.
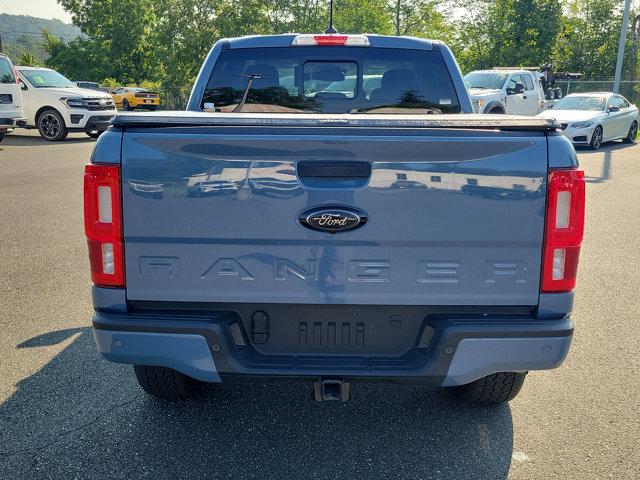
22,33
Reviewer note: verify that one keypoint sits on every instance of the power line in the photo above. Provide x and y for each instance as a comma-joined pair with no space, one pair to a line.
7,7
26,33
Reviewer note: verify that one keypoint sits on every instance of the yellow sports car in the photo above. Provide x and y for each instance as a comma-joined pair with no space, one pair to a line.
130,98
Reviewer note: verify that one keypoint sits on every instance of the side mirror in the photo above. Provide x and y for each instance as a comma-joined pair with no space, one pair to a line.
22,85
613,109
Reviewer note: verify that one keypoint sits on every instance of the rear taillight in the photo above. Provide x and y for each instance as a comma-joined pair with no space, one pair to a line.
331,39
103,224
564,228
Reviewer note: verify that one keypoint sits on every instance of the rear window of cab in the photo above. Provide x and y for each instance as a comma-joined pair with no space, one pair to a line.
330,80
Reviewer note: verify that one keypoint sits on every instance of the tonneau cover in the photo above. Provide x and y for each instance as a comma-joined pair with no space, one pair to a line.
459,121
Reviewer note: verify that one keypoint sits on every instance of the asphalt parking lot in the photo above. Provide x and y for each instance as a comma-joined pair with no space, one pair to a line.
65,413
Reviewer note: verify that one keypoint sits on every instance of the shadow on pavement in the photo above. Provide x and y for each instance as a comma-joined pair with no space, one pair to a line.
80,416
607,149
18,140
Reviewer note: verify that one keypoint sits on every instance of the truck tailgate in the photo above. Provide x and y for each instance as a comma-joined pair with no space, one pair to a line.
454,215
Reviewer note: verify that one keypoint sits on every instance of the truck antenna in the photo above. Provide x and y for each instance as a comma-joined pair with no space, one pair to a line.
330,29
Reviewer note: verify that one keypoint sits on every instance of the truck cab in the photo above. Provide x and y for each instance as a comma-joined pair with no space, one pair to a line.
506,91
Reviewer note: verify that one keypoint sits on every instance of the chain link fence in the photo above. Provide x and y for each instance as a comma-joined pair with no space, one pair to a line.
629,89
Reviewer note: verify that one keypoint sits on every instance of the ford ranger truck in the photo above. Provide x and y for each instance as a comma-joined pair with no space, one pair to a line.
324,212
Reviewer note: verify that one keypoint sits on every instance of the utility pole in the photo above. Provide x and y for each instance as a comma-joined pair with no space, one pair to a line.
635,34
623,38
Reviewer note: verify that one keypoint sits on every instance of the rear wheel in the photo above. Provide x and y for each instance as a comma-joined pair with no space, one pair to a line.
166,382
596,138
51,126
496,388
1,136
95,133
633,132
125,105
497,111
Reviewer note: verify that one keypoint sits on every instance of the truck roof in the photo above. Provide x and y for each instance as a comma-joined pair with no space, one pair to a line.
24,67
286,39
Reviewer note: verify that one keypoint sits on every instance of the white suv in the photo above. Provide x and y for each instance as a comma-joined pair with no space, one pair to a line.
10,97
56,106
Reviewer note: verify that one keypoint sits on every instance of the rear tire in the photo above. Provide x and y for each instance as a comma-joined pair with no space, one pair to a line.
167,383
125,105
496,388
496,111
633,133
1,136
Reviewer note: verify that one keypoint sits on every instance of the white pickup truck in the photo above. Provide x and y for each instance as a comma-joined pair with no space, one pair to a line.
10,97
503,90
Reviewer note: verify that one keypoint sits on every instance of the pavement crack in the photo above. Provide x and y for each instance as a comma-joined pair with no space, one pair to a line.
62,435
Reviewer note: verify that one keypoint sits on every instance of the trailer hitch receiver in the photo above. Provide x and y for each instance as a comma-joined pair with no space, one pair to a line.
331,390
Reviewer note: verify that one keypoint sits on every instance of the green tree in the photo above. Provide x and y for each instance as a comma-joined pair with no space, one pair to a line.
362,16
184,32
507,32
421,18
166,41
27,59
119,31
80,59
588,41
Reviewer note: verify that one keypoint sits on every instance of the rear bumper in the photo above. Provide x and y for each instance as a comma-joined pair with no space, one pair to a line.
448,351
144,102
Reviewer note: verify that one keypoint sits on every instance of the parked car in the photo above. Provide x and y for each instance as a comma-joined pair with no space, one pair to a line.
91,86
589,119
510,91
130,98
56,106
373,262
10,97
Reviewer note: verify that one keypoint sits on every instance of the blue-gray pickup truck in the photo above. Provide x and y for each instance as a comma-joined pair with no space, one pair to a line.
327,210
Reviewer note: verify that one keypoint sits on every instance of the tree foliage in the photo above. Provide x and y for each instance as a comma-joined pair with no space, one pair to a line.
508,32
589,37
166,41
27,59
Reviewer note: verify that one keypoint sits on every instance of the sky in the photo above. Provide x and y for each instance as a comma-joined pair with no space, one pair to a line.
35,8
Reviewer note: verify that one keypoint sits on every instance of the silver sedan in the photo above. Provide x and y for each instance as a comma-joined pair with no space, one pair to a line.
590,119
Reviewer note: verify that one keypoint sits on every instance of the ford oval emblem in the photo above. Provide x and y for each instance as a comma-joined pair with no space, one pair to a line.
333,219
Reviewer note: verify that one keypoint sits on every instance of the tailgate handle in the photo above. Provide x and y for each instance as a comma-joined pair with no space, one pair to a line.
334,170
